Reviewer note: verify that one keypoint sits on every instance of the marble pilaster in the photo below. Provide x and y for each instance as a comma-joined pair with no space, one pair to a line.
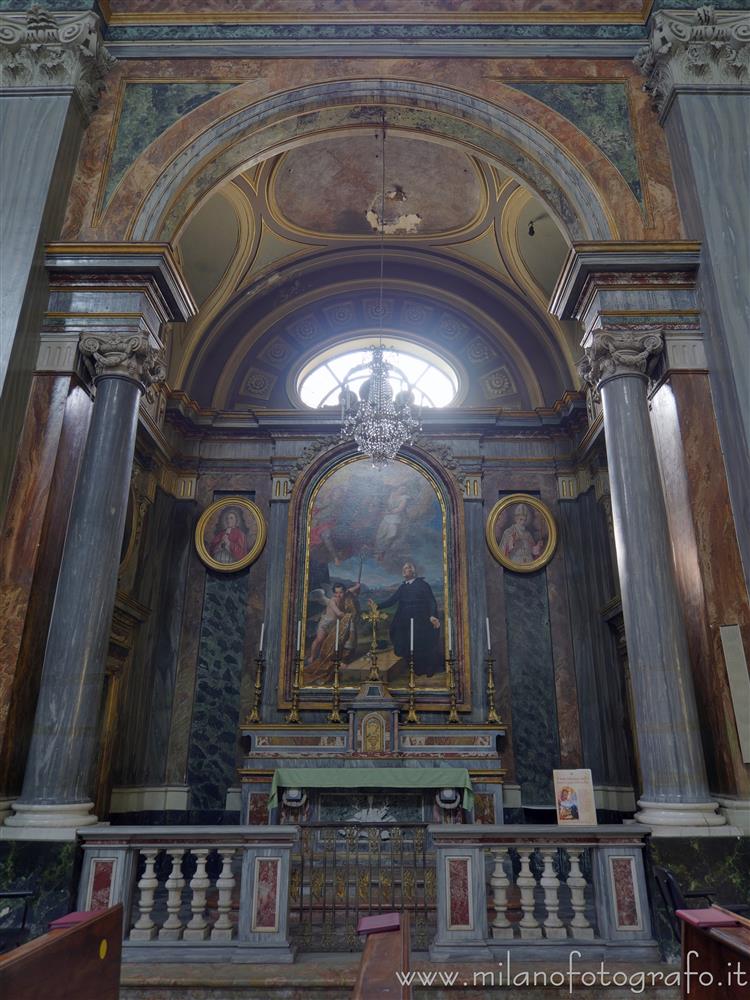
118,317
475,546
697,69
626,297
278,524
52,67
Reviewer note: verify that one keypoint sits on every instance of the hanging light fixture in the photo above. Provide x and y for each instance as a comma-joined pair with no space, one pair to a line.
379,423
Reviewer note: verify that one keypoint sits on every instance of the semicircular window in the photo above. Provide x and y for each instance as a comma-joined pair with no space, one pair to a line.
430,379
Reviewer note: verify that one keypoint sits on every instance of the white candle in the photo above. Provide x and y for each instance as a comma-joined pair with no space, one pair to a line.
411,635
489,644
299,634
336,647
450,637
262,630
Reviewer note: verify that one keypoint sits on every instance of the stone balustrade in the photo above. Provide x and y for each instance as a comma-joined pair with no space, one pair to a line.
201,892
551,890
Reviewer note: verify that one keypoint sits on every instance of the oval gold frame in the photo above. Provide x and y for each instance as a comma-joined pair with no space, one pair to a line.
549,549
255,513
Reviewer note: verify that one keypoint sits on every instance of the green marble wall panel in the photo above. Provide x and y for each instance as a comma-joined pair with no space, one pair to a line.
600,111
50,870
532,685
148,109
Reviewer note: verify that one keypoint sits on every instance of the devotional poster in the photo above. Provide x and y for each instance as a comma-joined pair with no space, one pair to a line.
376,539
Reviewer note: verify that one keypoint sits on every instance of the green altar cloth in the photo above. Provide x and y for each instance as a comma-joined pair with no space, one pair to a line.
372,777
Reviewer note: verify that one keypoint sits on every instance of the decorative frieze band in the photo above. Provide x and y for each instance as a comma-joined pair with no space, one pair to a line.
41,51
701,48
612,354
124,356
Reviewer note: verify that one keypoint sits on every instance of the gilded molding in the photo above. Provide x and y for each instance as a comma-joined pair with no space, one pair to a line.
123,356
613,354
40,51
689,49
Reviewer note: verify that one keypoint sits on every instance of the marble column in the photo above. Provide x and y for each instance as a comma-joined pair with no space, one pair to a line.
628,298
119,318
675,787
52,67
697,69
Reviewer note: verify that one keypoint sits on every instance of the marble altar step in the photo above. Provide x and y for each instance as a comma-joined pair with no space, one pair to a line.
332,977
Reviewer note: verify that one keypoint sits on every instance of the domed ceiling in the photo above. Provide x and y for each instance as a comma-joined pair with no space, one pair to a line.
283,242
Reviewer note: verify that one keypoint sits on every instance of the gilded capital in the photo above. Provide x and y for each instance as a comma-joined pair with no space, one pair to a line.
696,48
615,353
128,356
42,50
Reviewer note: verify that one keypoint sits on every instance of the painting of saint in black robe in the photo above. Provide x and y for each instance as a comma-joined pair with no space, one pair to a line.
415,603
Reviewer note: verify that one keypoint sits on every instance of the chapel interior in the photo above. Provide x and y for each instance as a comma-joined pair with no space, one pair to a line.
288,639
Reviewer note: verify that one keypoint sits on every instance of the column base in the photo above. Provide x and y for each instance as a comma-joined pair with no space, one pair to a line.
683,819
47,822
5,807
737,812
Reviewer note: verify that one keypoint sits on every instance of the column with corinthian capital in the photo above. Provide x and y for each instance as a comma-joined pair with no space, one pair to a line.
117,299
630,299
52,68
697,70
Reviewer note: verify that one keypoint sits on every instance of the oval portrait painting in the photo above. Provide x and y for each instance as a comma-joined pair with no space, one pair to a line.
230,534
521,533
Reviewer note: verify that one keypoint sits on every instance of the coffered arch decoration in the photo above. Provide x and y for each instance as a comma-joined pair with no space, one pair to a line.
504,352
264,128
354,527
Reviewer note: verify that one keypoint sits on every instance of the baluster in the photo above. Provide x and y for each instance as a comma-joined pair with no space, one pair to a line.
529,925
222,929
501,926
579,925
172,928
197,929
144,929
550,882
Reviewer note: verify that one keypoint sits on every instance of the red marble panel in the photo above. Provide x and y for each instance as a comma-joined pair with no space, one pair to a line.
100,891
624,891
709,573
265,896
484,808
258,808
458,887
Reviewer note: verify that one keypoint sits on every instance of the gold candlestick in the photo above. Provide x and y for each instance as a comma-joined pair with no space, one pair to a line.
373,616
411,714
452,713
293,716
492,715
335,713
259,665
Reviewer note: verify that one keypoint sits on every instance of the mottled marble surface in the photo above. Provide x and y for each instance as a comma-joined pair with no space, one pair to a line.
534,730
49,869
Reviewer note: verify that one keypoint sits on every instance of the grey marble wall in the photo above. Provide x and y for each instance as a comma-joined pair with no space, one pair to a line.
149,689
605,728
43,133
709,136
532,683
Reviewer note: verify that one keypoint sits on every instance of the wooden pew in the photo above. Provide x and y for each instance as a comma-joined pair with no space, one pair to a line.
716,944
79,959
386,953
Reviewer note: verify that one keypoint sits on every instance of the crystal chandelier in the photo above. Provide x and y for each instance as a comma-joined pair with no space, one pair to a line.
378,423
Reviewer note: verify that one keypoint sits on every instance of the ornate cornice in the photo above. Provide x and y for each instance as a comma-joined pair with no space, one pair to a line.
43,51
129,356
613,354
694,49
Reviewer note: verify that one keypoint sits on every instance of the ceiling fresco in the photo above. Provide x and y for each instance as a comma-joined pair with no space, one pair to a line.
335,187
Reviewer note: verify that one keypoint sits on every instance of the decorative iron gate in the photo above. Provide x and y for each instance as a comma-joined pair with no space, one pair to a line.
346,871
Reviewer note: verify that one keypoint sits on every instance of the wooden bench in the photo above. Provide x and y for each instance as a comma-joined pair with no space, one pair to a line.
78,959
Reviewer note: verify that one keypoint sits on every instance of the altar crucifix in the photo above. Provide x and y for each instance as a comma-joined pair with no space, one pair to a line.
374,616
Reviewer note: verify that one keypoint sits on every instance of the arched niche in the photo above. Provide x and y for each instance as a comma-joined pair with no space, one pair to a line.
410,511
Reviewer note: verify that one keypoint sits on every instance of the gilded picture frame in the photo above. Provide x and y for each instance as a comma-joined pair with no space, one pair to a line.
521,533
230,534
